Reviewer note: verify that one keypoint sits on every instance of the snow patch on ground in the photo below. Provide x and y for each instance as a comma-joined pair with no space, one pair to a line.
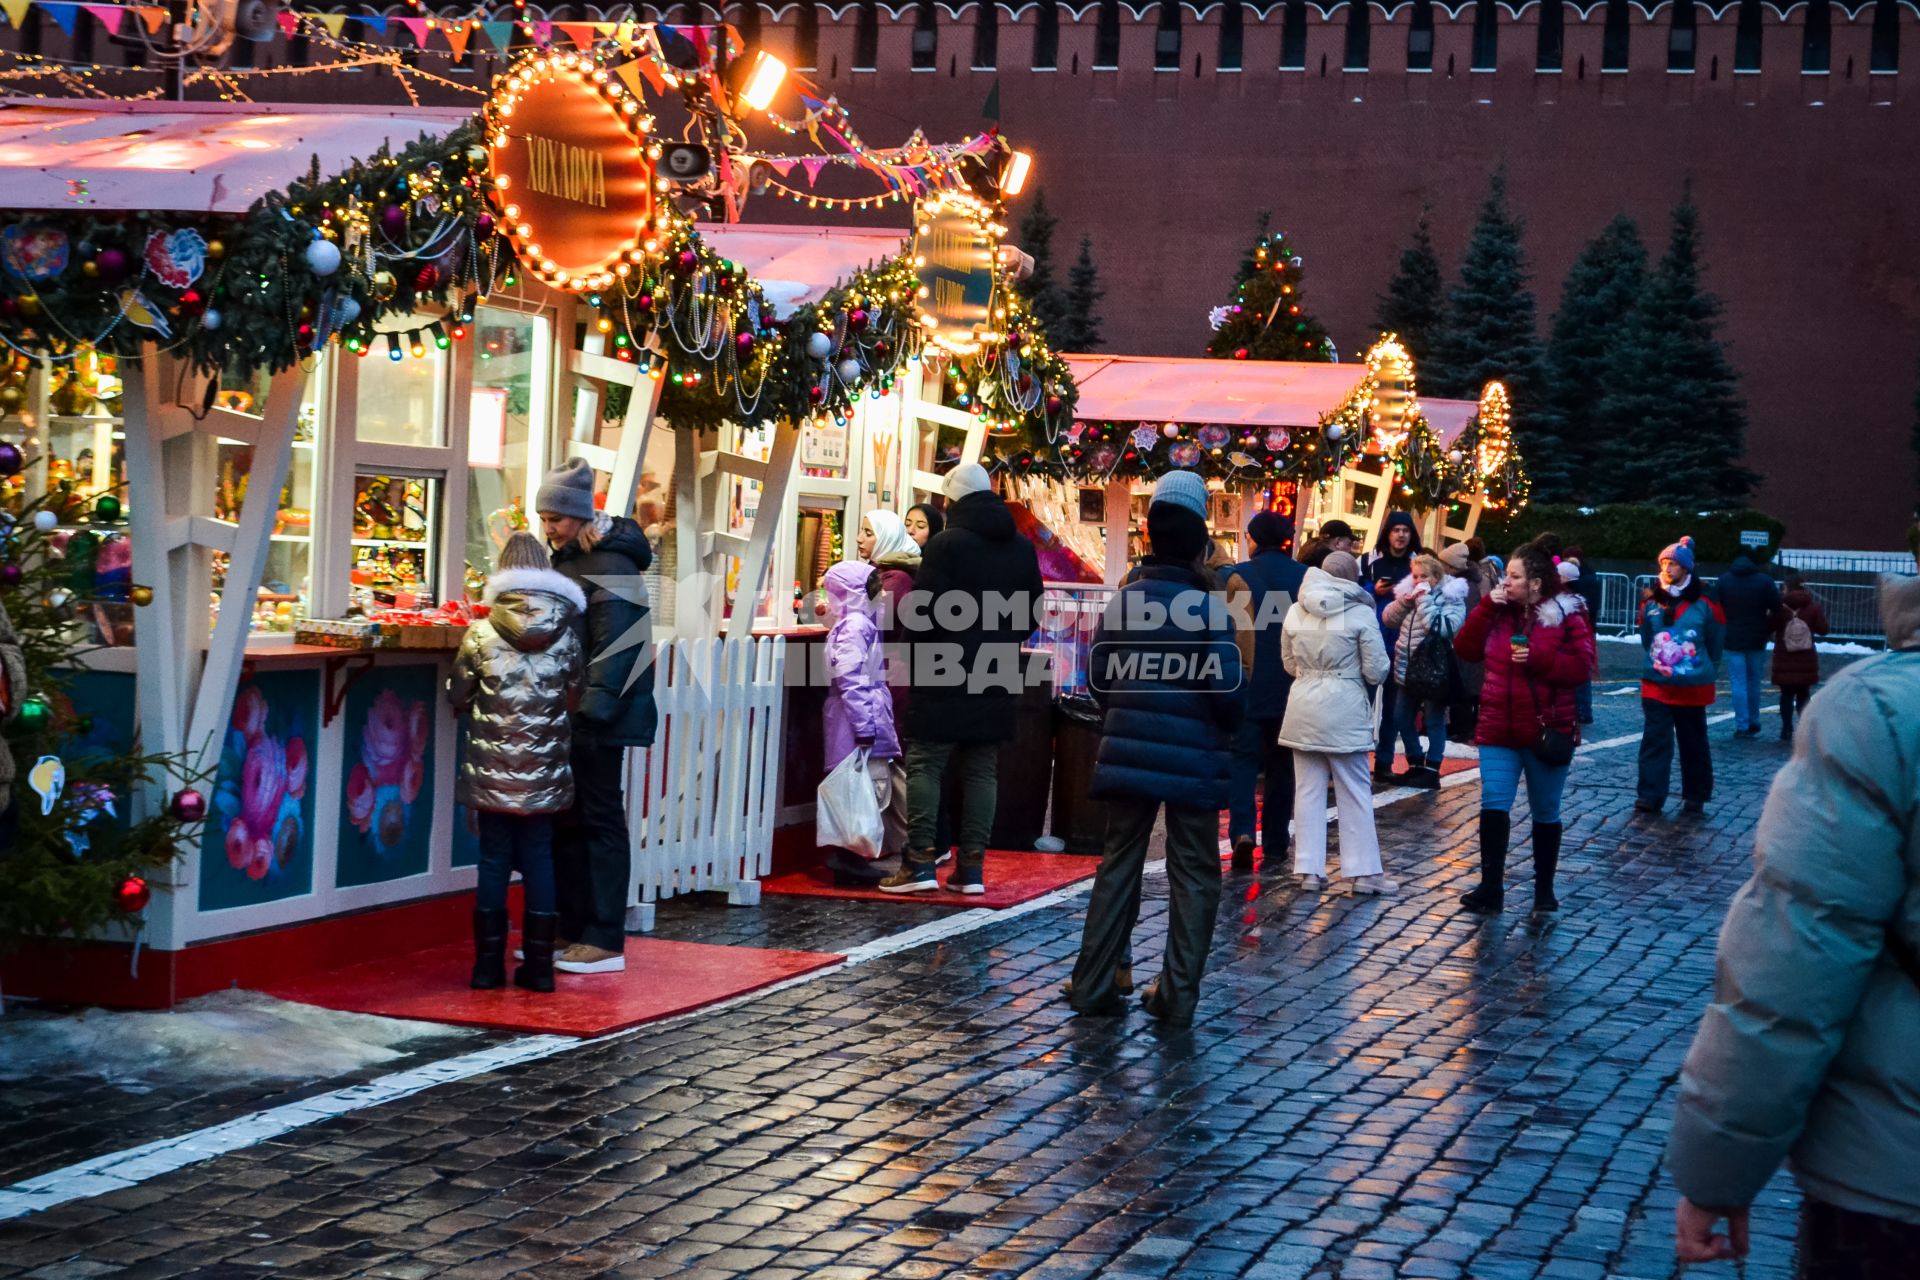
230,1035
1845,647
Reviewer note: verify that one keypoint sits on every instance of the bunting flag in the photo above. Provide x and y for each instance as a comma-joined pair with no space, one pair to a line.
109,16
418,26
581,33
813,165
155,18
16,10
333,22
781,167
374,22
543,32
64,14
630,74
458,33
288,22
499,34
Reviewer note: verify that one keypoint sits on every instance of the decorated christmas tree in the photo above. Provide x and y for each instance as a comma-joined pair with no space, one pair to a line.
1267,319
92,820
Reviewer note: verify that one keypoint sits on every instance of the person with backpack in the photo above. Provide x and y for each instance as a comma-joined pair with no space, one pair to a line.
1796,658
1390,561
1537,645
1806,1053
1683,633
516,679
1747,599
1427,609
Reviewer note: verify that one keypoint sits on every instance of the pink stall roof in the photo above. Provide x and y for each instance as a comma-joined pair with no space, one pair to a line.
796,265
199,157
1251,393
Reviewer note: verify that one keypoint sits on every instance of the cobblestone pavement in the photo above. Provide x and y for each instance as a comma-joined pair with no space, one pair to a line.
1374,1088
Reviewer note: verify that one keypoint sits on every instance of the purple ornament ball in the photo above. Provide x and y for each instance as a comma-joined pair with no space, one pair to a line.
112,264
393,221
11,459
9,575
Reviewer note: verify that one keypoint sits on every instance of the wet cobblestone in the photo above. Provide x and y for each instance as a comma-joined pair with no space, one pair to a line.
1373,1088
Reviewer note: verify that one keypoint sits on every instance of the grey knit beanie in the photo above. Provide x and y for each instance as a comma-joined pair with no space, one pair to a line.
567,491
1182,489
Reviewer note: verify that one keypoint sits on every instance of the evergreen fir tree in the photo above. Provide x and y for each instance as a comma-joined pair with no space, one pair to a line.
1415,298
1673,410
1597,313
1082,329
1489,331
1045,297
1267,319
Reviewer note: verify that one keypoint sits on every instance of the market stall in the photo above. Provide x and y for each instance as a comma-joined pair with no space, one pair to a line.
307,408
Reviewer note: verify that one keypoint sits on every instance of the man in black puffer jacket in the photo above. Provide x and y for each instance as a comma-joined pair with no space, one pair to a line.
1165,665
1748,597
592,855
972,605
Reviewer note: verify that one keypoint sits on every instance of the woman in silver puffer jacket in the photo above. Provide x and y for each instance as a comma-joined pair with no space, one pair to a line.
516,679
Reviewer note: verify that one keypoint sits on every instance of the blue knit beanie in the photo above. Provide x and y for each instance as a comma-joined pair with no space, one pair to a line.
1681,551
1182,489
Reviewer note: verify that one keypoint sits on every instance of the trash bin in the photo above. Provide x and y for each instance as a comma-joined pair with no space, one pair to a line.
1078,819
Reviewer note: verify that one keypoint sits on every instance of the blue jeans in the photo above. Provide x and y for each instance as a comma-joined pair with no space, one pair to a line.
1501,769
1747,668
1257,748
512,842
1436,713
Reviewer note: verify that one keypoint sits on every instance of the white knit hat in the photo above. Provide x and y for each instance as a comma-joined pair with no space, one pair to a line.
968,477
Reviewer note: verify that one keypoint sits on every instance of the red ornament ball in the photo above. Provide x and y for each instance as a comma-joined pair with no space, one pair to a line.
428,280
744,345
132,895
856,319
1240,354
687,261
645,302
815,395
192,303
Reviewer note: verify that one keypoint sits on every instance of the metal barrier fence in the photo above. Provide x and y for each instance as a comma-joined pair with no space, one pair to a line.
1853,609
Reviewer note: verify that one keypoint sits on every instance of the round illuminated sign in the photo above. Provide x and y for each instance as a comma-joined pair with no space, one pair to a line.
572,173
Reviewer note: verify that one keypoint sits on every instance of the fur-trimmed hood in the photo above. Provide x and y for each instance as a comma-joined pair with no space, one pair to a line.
1900,611
532,608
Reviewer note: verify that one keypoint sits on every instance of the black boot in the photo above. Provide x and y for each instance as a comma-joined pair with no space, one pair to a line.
1243,855
1546,861
537,932
851,871
489,949
1491,893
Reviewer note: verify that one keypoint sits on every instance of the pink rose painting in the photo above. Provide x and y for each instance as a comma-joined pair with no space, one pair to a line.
383,785
263,777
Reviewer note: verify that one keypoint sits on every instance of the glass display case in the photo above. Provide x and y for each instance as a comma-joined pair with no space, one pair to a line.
286,585
511,387
396,520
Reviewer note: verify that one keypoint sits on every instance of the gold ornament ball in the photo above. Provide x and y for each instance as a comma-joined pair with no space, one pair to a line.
13,398
216,250
90,269
141,596
384,285
29,304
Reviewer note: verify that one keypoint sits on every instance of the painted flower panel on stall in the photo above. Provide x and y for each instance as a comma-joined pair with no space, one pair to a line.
259,840
387,807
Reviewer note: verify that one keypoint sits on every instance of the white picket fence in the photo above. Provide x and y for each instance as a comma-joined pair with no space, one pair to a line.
701,801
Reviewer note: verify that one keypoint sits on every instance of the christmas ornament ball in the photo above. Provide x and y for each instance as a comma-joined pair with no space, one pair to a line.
91,270
857,319
11,459
141,596
427,280
1455,456
59,603
1336,431
323,257
28,303
1240,354
189,806
45,521
1171,431
393,220
483,225
210,320
112,265
216,250
819,346
849,370
384,285
35,713
743,343
133,895
107,508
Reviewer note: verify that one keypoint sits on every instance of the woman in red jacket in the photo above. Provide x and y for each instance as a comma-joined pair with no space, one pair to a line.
1537,643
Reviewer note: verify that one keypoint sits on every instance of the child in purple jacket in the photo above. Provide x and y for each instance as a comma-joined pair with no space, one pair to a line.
859,708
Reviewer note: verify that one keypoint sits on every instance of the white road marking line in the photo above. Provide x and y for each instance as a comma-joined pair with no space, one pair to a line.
118,1170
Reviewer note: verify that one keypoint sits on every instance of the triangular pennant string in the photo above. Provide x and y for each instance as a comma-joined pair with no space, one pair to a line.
64,14
458,33
154,16
499,34
581,33
374,22
109,16
418,26
16,10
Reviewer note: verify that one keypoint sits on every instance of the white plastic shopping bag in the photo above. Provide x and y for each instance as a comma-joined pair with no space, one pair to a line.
848,815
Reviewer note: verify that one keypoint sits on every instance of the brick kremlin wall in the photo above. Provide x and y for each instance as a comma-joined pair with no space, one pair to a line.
1809,184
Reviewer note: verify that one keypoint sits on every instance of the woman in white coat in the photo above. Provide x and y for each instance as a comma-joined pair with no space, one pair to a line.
1331,645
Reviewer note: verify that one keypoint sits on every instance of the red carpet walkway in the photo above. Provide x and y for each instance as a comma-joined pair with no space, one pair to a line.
661,979
1012,878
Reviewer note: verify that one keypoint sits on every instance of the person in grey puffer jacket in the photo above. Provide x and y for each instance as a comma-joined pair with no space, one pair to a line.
516,678
1808,1051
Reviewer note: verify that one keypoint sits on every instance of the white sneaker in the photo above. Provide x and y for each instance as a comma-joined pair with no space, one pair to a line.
1309,882
583,958
1372,884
